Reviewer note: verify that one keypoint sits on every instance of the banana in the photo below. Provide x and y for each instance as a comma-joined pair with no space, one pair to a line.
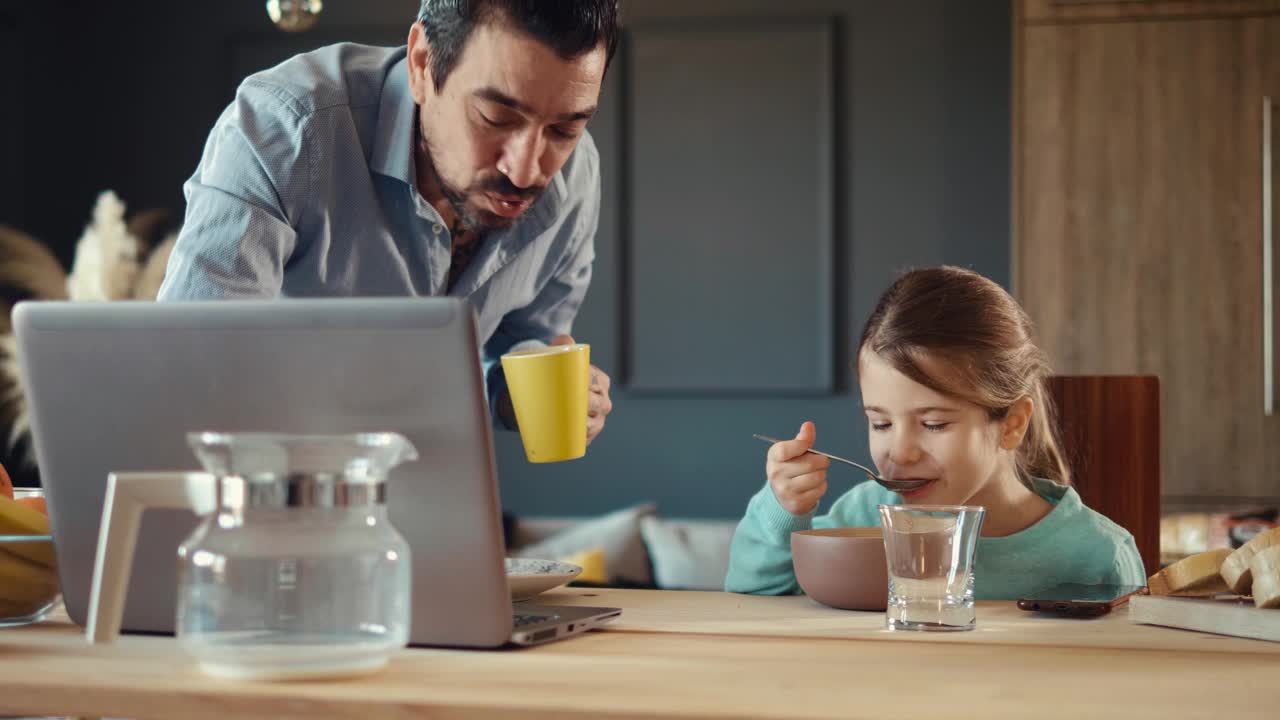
16,519
1235,569
1265,568
24,586
10,610
1195,575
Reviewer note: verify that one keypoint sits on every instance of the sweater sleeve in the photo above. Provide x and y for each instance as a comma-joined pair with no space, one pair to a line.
760,554
1127,569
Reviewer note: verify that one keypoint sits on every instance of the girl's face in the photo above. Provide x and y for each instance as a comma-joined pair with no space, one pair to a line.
918,433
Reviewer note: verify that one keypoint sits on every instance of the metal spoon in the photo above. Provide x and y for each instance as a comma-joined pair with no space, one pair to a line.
888,484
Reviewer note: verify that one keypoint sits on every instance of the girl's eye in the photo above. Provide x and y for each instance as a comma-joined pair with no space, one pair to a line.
936,427
880,427
493,123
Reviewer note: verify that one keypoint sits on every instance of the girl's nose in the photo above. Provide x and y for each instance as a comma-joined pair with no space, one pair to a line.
904,451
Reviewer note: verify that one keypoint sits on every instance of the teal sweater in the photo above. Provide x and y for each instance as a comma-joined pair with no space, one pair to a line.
1070,544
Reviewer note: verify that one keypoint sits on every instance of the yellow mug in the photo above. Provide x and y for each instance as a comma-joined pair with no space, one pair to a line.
548,389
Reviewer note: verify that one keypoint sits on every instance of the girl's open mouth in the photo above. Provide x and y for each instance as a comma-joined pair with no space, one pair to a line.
918,492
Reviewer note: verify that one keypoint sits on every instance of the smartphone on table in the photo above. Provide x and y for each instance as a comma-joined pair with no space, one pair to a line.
1078,599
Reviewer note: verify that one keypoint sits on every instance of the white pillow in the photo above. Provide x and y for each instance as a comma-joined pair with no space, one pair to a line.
688,554
617,534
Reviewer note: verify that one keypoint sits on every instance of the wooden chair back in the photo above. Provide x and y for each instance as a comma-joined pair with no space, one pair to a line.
1110,430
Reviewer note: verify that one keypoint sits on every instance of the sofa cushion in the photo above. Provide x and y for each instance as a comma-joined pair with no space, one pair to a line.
617,534
688,554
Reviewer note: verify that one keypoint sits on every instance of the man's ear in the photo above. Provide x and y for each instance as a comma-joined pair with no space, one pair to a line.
1014,426
419,62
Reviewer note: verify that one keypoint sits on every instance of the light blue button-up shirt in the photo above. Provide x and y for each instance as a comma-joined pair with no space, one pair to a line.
306,188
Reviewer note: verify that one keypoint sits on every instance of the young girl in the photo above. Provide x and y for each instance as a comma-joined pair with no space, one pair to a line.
953,389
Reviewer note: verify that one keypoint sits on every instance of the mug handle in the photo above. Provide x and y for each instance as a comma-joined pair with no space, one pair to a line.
128,495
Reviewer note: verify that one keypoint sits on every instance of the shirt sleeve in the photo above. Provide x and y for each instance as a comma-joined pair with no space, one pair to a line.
553,311
242,202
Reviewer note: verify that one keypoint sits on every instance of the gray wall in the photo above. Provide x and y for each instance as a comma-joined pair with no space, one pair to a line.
746,232
920,114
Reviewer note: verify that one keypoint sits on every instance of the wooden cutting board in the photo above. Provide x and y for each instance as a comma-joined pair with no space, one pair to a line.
1220,615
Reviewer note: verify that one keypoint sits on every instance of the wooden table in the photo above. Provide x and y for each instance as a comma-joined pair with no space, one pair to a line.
695,655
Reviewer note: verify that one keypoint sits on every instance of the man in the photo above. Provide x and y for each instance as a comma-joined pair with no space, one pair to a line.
457,165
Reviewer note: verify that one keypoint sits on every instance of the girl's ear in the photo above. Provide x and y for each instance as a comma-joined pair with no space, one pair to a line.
1015,424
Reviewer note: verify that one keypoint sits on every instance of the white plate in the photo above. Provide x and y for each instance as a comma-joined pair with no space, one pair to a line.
527,577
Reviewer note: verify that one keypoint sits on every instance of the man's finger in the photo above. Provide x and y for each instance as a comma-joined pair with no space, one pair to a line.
599,380
598,405
563,340
595,426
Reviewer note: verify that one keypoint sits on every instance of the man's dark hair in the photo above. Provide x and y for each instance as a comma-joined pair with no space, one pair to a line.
569,27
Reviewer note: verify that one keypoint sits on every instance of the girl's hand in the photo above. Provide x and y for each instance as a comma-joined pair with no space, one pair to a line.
798,478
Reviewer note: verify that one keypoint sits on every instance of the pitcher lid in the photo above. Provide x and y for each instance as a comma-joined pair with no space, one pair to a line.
356,458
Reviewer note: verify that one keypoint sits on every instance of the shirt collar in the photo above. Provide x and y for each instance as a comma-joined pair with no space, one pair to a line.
1055,493
393,140
1067,507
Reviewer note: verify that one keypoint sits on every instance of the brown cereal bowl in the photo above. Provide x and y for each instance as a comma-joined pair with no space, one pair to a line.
842,567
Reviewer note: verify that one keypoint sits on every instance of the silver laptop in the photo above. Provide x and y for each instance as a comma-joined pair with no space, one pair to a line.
115,387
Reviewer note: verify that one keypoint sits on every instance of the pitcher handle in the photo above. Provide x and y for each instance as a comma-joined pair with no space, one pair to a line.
128,495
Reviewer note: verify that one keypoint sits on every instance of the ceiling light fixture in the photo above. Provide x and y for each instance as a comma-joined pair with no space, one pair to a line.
294,15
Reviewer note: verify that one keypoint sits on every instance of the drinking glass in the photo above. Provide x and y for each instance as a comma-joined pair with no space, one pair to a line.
930,550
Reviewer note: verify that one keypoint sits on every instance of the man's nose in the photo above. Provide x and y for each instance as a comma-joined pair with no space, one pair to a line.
521,158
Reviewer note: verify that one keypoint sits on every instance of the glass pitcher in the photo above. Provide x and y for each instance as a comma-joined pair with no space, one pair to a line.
294,570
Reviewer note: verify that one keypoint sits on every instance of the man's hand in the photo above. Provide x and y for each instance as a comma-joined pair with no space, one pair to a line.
598,402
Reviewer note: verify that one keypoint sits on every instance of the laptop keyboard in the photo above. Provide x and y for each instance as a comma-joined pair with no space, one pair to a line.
529,619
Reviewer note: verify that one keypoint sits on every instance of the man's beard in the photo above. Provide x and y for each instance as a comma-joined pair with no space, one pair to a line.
472,217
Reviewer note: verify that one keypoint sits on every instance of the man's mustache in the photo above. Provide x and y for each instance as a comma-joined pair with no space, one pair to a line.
501,185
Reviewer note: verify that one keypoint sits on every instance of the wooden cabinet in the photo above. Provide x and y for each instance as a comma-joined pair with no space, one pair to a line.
1138,239
1270,163
1057,11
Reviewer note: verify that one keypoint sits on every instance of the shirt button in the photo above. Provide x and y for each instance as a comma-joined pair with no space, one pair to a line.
437,228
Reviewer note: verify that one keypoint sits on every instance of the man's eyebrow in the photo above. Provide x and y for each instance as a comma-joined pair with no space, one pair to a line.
495,95
580,115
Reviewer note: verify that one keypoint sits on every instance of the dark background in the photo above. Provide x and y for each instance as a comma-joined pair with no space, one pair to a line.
768,167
